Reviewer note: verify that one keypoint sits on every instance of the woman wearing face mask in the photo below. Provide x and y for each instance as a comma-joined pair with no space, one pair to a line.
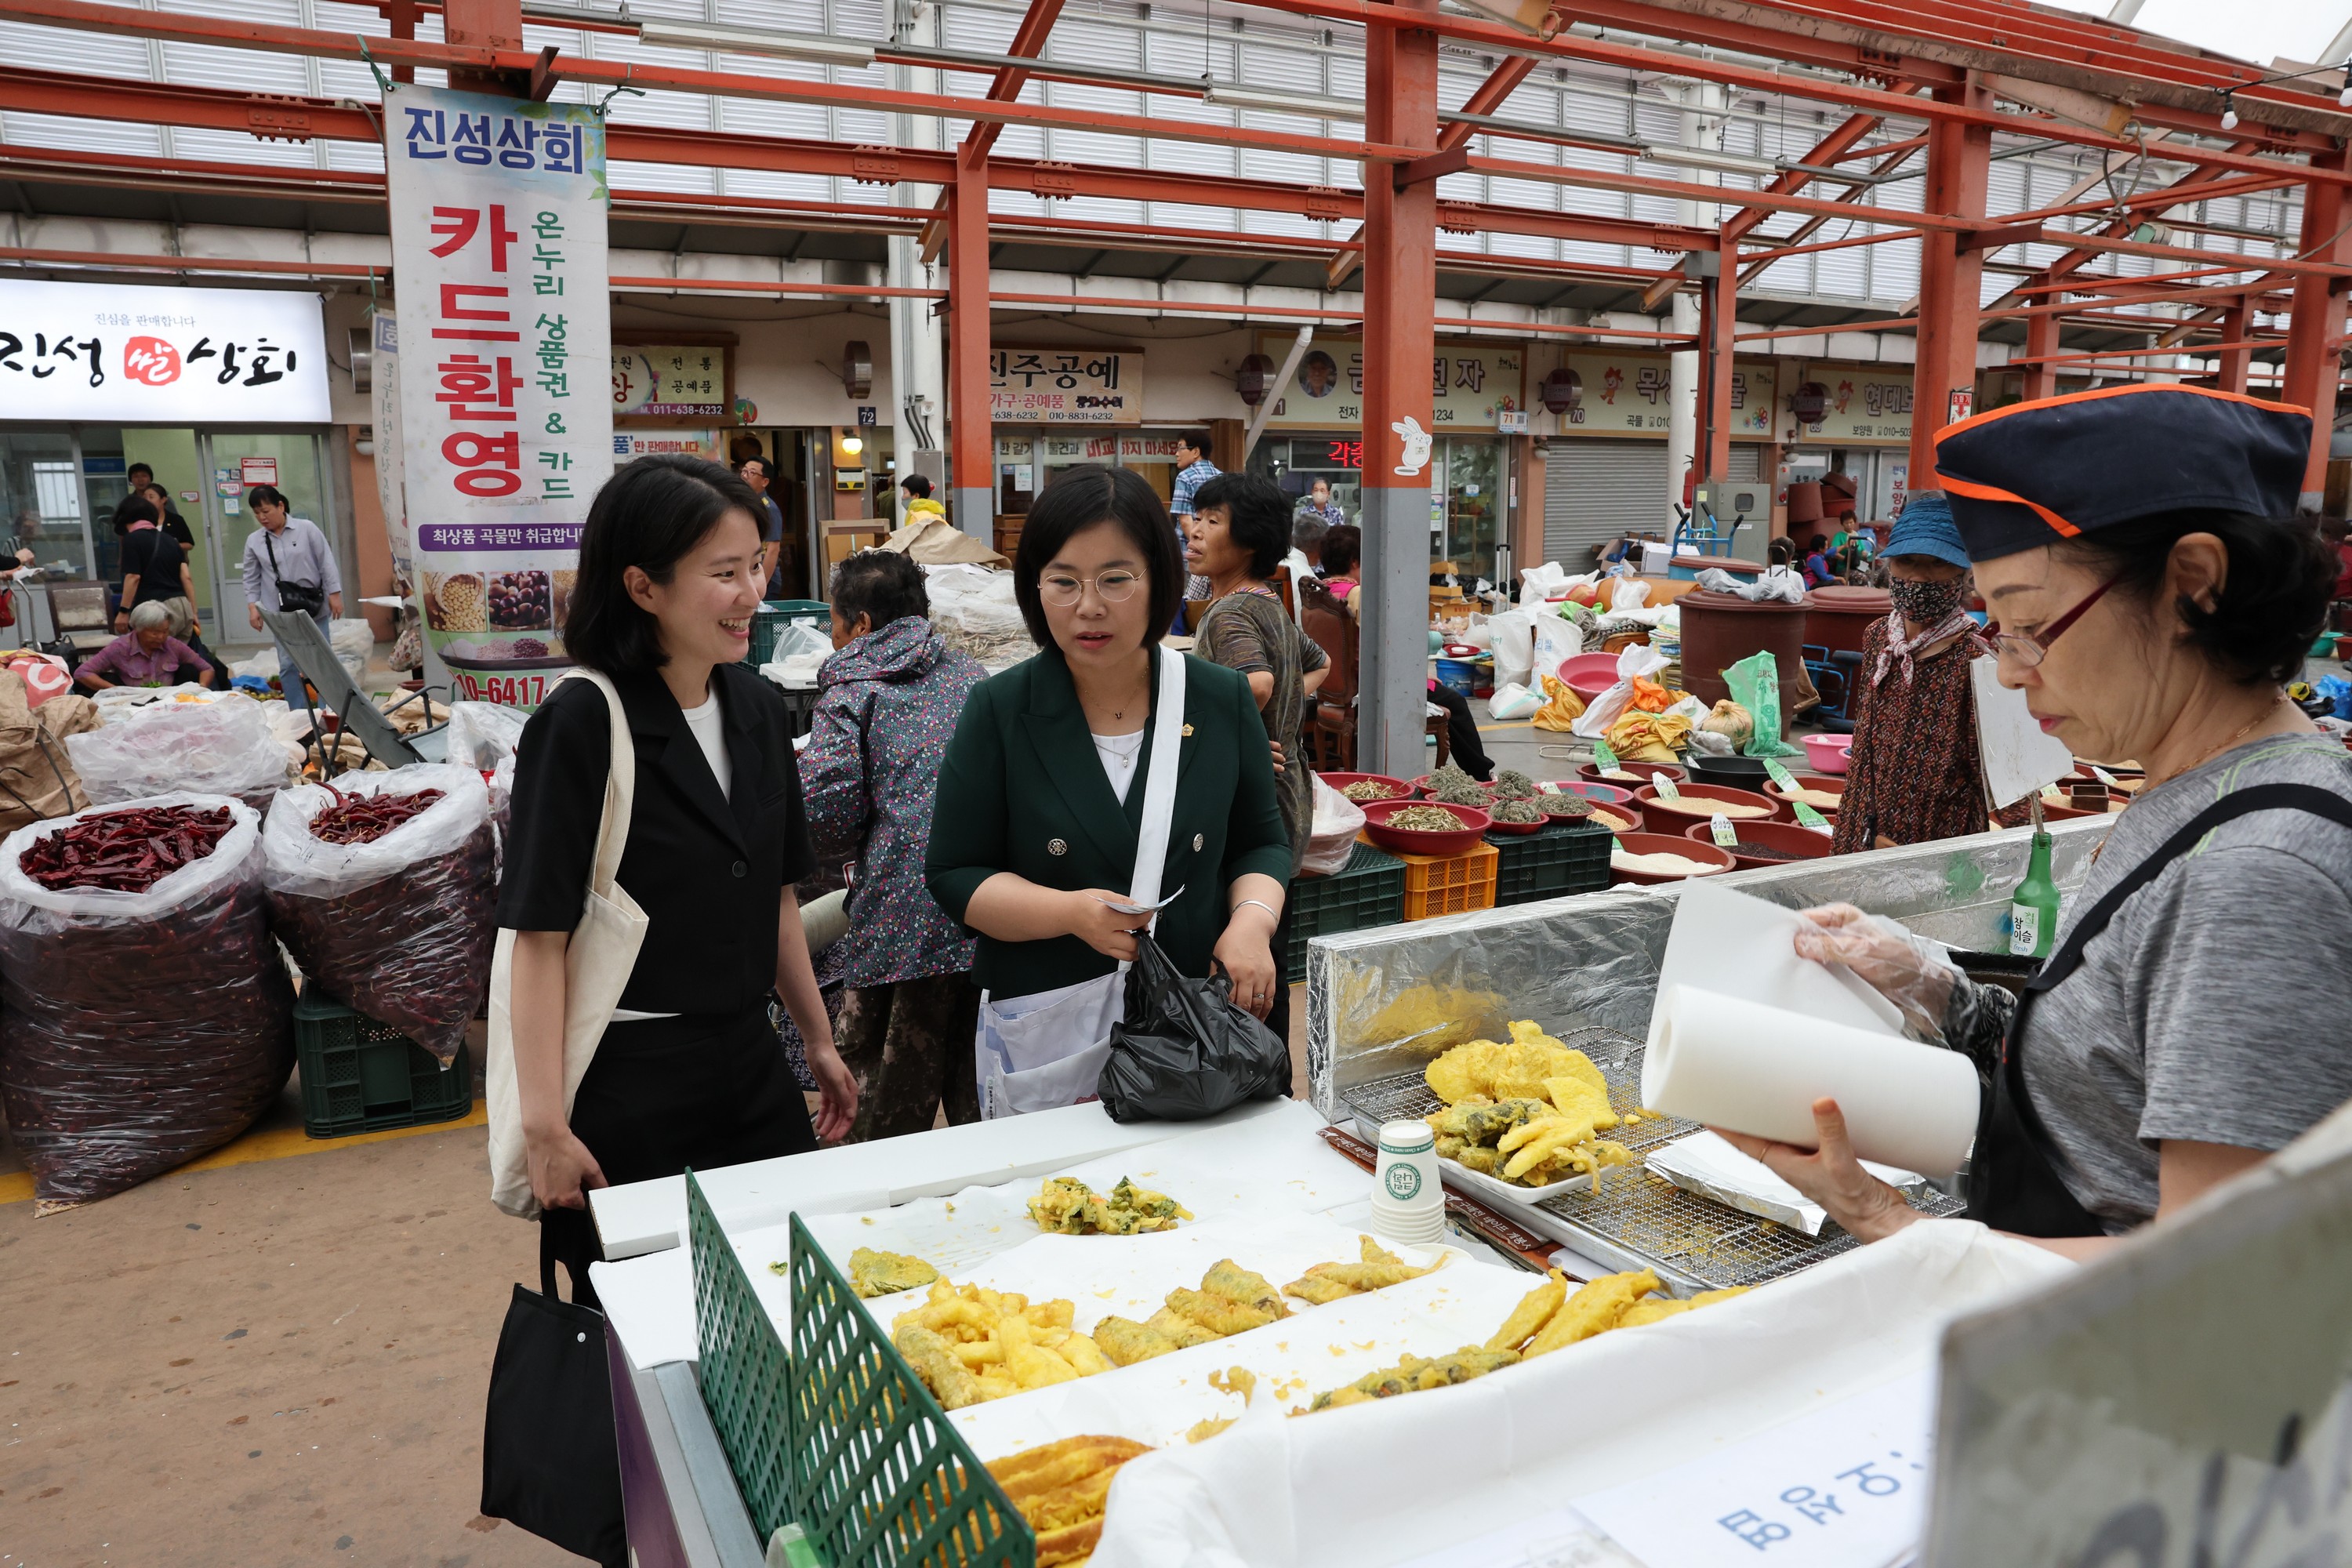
1914,774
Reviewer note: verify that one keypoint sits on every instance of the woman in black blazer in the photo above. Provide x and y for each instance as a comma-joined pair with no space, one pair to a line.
689,1072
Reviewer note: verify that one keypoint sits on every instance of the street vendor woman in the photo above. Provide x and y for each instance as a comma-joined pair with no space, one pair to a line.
1059,814
2152,591
688,1072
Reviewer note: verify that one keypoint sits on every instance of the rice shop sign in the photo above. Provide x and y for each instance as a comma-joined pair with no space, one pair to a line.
498,245
134,354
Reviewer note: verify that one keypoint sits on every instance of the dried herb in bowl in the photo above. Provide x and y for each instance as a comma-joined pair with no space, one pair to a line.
1426,819
1512,784
1563,803
1519,811
1364,791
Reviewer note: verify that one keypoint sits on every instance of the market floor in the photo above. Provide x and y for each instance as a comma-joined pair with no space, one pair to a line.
267,1363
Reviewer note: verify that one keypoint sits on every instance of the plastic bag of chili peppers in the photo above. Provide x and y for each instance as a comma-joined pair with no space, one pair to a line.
384,889
148,1015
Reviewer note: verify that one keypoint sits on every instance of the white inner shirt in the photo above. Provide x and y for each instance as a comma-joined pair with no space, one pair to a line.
1120,754
710,728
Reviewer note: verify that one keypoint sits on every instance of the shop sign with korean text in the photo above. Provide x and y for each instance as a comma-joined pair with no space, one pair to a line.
498,209
1471,382
135,353
1624,393
1866,404
671,381
1066,386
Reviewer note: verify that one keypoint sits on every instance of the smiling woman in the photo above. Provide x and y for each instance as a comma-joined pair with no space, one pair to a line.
688,1071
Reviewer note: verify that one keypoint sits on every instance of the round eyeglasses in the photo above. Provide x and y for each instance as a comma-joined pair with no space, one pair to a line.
1062,589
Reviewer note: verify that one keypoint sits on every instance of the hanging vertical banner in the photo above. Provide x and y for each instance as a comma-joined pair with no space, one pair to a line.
498,210
391,494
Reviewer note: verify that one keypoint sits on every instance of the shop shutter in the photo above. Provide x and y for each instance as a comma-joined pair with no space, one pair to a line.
1595,490
1746,459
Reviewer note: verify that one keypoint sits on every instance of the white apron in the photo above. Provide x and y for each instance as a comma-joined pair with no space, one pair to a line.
1047,1049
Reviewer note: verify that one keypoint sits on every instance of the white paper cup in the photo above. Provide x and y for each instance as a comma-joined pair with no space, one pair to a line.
1408,1199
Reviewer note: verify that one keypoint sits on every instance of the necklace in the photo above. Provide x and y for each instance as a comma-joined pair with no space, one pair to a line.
2248,728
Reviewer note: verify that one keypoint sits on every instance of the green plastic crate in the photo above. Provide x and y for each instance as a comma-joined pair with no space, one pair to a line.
1369,893
838,1435
360,1075
767,622
1565,858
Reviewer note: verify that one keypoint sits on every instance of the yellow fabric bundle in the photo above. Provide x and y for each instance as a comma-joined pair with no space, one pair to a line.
1649,737
1561,707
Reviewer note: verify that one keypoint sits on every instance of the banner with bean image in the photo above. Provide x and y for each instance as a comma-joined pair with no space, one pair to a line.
499,243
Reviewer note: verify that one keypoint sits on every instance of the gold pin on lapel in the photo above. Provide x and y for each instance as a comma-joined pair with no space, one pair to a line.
1188,731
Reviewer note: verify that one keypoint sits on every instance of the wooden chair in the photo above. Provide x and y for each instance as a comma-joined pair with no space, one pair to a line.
1332,727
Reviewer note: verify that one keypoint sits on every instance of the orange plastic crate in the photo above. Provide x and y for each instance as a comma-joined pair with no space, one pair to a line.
1449,885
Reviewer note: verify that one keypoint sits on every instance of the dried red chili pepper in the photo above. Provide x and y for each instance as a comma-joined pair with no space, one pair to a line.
364,818
130,1045
125,851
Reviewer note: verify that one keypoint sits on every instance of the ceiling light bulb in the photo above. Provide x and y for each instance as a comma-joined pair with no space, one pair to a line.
2229,119
2344,99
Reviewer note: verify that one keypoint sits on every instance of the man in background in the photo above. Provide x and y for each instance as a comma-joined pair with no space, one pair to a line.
756,473
1319,505
1193,470
141,478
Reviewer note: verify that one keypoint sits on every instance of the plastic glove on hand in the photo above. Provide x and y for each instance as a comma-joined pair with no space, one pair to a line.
1906,970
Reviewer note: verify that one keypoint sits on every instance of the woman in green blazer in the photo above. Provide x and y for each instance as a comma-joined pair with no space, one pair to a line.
1041,797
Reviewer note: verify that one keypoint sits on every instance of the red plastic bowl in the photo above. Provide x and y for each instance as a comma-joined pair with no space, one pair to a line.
1590,773
1404,791
1667,844
1601,792
1808,781
1495,824
1800,842
1475,824
1671,816
1589,674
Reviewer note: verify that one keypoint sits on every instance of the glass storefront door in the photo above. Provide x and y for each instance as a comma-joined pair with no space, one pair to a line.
1471,471
233,462
41,496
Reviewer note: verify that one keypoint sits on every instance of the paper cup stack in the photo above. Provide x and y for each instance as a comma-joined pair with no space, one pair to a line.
1408,1199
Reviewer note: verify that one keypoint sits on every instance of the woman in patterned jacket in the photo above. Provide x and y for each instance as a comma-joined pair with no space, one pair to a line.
889,698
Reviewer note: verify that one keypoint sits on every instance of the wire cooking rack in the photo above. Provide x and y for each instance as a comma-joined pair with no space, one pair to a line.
1630,1217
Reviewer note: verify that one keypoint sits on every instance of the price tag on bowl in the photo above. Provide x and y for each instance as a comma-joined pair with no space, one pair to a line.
1808,818
2103,777
1779,774
1720,826
1667,788
1603,757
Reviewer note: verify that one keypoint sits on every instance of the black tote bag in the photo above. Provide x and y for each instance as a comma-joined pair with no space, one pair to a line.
551,1462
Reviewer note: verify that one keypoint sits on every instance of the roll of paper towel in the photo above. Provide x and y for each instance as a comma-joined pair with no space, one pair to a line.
1758,1069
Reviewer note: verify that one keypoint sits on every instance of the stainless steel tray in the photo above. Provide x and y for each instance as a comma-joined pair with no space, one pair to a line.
1630,1218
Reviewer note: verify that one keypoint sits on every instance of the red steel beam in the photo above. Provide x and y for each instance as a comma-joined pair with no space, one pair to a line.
1028,41
972,441
1944,374
1837,144
2314,329
2232,373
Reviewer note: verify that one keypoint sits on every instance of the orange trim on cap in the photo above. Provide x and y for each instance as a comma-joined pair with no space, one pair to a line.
1989,492
1973,421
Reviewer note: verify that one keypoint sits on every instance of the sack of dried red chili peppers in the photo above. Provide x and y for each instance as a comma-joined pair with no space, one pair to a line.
148,1015
384,889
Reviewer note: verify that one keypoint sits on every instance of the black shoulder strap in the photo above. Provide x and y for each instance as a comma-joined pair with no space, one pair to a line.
2308,798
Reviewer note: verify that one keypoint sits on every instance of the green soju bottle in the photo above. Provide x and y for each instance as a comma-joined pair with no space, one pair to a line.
2034,907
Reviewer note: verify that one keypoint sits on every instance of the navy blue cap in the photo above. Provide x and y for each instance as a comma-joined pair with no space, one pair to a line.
1925,528
2033,473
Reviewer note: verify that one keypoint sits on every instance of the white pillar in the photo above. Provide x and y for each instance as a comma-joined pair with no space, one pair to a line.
918,335
1702,128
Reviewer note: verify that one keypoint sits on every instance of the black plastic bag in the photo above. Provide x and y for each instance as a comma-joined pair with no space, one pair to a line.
1184,1050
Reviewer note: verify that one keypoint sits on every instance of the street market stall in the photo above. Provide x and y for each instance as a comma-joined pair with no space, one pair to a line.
868,1423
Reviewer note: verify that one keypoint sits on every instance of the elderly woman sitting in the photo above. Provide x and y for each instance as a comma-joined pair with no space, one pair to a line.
146,655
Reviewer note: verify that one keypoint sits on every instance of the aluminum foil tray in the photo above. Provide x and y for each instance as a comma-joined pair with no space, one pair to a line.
1633,1219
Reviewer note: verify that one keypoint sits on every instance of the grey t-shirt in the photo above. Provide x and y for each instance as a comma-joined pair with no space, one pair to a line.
2210,1009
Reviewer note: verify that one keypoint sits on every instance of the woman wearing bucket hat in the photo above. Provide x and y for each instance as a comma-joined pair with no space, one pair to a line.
1914,774
2154,590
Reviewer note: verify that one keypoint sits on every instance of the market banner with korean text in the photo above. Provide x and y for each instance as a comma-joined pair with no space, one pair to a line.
498,209
1624,392
383,395
1472,383
135,353
672,381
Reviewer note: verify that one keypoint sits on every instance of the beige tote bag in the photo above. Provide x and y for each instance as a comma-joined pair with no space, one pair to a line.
596,965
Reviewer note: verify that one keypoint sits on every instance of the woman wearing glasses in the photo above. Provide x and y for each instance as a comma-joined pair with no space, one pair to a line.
2154,591
1914,774
1103,776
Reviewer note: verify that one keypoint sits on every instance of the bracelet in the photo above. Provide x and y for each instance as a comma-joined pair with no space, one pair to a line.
1261,903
